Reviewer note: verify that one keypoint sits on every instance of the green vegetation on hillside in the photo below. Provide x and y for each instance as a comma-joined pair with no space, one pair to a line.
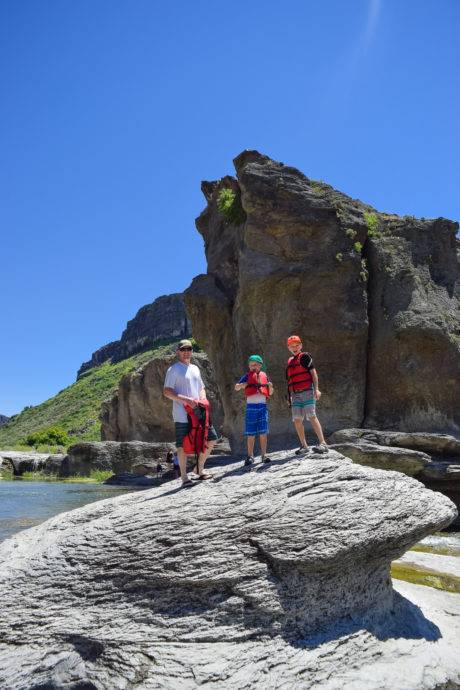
75,409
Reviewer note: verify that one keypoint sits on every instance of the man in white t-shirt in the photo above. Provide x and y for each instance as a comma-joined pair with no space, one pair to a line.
184,386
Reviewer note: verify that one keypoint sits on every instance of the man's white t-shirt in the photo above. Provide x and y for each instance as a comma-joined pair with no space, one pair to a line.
184,379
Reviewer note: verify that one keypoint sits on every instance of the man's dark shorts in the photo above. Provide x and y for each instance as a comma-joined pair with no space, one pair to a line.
182,431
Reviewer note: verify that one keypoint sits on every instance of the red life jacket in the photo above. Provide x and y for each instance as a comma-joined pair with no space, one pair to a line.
196,440
257,384
298,377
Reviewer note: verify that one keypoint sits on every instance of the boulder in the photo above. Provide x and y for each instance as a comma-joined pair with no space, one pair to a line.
432,444
53,463
22,461
135,480
139,410
265,579
164,319
440,473
146,467
110,455
374,296
410,462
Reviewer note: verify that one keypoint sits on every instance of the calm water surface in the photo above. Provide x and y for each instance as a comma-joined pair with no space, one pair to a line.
25,504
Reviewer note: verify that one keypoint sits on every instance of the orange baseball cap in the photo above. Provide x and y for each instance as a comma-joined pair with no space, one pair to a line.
293,339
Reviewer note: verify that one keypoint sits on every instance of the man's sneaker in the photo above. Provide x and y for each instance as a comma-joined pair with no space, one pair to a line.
302,450
321,448
249,461
266,458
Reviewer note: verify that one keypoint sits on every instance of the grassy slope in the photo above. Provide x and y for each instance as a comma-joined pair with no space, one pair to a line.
76,408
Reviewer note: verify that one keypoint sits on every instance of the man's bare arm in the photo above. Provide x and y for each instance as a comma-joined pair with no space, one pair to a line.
172,395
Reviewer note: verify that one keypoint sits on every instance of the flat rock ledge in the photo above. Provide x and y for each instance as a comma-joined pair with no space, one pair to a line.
273,578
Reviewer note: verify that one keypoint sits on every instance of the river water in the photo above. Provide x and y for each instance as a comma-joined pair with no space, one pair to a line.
25,504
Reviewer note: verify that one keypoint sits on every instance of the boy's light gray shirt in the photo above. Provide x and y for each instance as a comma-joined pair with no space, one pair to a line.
184,379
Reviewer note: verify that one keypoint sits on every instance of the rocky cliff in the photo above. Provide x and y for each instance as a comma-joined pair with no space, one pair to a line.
277,578
4,420
374,296
164,319
138,409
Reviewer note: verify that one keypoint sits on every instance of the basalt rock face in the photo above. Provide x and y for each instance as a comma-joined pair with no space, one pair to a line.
138,409
21,461
109,455
374,296
164,319
273,578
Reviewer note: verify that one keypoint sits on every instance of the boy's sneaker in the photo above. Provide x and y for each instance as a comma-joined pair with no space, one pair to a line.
302,450
249,461
266,458
321,448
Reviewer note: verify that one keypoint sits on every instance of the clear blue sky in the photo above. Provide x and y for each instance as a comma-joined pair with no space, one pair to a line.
113,111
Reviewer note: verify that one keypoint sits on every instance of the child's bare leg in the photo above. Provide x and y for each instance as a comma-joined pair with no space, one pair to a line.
314,421
298,423
263,444
251,440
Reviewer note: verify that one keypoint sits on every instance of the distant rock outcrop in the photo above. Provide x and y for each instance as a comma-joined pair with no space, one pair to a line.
138,409
374,296
277,578
4,420
109,455
164,319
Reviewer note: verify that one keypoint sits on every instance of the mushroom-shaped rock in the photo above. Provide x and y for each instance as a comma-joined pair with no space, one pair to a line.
271,578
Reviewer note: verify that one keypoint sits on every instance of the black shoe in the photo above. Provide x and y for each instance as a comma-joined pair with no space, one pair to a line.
265,458
249,461
302,450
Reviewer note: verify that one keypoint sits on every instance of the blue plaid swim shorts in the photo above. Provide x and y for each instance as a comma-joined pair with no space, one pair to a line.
256,419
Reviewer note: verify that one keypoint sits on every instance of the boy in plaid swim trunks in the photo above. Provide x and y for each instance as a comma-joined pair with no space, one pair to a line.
303,392
257,389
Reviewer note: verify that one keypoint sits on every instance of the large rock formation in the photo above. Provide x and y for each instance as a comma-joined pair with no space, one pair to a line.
164,319
374,296
277,578
19,462
110,455
4,420
138,409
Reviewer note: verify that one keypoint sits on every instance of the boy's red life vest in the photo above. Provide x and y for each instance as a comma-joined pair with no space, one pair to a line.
257,383
298,377
196,440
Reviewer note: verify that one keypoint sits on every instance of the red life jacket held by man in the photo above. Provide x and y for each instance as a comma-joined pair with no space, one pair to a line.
257,383
298,377
196,440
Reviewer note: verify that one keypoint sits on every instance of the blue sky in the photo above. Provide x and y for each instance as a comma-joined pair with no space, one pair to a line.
113,112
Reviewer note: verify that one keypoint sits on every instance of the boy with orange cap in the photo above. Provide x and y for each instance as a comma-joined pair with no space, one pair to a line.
303,392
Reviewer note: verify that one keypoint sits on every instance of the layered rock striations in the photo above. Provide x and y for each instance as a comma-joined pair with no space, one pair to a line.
164,319
374,296
138,409
277,578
